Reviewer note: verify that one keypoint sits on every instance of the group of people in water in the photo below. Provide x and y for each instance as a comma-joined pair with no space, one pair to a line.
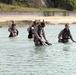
36,31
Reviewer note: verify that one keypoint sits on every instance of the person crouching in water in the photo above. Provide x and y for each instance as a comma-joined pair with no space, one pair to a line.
65,35
38,33
13,30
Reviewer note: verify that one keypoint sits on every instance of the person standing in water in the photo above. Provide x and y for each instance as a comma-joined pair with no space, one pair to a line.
13,30
30,31
65,35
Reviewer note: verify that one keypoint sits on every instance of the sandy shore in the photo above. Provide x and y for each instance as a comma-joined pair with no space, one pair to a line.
50,19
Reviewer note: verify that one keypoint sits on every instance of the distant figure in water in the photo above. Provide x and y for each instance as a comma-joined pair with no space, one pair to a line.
13,30
65,35
30,30
0,26
38,33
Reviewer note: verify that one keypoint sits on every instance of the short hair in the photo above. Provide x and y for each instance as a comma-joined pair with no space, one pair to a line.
34,22
43,24
66,24
13,21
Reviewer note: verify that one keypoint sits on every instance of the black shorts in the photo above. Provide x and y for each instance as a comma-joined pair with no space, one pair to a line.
64,40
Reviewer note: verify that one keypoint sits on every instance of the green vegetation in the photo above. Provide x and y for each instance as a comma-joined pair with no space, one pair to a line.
6,7
71,2
22,5
18,23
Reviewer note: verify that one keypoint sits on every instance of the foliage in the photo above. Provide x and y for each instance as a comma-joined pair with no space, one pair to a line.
25,2
72,2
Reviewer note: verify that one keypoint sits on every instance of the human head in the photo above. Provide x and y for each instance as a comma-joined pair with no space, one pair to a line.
13,22
42,24
34,22
37,23
67,26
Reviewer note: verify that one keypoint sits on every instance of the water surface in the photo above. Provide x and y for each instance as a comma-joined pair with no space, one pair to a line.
19,56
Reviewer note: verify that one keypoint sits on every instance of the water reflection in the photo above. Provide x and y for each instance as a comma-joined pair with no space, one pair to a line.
67,46
40,50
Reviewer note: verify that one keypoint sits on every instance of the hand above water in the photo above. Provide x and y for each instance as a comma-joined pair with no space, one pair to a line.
74,41
48,43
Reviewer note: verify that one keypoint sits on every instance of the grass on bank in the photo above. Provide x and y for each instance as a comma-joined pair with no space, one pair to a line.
6,7
18,23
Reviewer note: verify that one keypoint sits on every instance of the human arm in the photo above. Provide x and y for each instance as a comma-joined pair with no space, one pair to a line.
28,29
46,41
59,36
43,33
72,38
9,29
37,36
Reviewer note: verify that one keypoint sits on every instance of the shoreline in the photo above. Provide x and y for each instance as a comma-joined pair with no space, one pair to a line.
27,20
